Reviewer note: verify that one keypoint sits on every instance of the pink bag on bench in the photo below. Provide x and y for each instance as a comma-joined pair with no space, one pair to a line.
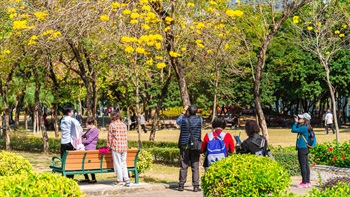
104,150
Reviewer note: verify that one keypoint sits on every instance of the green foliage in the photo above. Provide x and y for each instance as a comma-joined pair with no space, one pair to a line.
169,156
279,148
24,143
173,112
144,162
333,154
245,175
11,164
289,161
341,189
39,184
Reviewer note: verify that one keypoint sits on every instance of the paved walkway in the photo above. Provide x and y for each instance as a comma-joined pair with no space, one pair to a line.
107,188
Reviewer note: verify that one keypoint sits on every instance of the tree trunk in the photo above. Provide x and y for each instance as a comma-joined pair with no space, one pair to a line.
20,99
217,73
4,91
334,104
138,107
25,121
39,112
152,135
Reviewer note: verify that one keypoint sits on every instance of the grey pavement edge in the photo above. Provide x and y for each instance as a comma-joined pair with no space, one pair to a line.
108,188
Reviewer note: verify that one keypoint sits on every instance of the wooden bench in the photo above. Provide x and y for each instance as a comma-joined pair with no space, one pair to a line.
91,161
169,123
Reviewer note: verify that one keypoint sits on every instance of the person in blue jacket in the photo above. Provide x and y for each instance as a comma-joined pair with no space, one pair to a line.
302,127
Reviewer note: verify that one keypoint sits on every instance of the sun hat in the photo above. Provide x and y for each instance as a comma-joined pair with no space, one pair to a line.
305,116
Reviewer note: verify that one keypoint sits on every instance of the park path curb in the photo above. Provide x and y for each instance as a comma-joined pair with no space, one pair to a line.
107,188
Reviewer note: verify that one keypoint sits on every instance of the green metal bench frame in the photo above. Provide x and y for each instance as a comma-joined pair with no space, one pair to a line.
57,169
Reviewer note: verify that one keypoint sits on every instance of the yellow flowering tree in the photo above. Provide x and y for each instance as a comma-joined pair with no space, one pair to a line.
256,30
322,28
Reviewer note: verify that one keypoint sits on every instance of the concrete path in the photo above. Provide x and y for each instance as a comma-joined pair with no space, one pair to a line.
107,188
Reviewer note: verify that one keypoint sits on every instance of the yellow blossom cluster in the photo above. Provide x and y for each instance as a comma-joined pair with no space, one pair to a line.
296,19
168,20
189,4
234,13
200,43
174,54
336,32
21,24
41,16
104,17
161,65
33,40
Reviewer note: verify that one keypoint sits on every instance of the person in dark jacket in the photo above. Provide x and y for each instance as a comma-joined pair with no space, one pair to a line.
90,139
255,144
302,127
187,155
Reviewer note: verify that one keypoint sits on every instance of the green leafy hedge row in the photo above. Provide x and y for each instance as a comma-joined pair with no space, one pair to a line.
23,143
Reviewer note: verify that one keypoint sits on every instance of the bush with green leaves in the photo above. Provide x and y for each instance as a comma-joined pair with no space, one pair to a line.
169,156
341,189
245,175
144,162
332,153
39,184
289,161
11,164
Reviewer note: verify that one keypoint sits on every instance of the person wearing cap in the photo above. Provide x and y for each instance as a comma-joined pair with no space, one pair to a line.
302,127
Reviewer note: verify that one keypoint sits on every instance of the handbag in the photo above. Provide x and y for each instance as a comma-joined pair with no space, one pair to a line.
195,145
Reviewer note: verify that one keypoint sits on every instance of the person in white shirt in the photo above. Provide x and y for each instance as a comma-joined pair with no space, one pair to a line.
328,121
68,125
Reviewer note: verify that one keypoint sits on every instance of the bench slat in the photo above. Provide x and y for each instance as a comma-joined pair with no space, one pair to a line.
90,160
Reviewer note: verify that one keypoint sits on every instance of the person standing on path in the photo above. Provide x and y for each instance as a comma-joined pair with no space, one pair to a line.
68,125
118,143
91,138
302,127
187,156
328,121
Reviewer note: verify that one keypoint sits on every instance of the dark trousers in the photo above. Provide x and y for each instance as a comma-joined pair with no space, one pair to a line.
144,128
92,177
65,147
303,157
189,157
329,126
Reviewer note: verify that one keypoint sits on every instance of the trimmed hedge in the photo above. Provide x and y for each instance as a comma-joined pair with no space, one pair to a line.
11,164
39,184
245,175
169,156
24,143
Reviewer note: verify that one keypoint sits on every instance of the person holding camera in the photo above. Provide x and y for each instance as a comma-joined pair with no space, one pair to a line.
190,131
302,127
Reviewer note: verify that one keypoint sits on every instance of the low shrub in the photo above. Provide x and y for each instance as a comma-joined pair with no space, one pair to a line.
341,189
39,184
168,156
333,154
279,148
11,164
144,162
245,175
335,180
289,161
